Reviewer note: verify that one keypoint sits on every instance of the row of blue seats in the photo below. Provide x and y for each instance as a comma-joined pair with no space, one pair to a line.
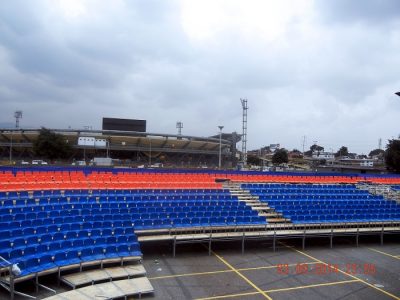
143,197
333,201
120,214
54,249
313,207
62,201
104,228
56,212
25,219
145,191
312,197
378,203
343,218
197,221
52,243
134,203
57,200
297,185
155,192
52,233
337,211
308,192
35,264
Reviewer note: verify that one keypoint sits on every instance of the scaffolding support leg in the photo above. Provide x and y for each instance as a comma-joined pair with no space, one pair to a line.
243,243
174,247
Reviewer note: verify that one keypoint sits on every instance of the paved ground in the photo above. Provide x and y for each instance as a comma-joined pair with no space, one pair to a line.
344,272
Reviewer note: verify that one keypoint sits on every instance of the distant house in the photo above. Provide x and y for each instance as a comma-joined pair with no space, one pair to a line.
274,147
323,155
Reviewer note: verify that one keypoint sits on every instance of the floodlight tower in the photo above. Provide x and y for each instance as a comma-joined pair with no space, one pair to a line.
398,94
17,116
179,126
220,145
244,131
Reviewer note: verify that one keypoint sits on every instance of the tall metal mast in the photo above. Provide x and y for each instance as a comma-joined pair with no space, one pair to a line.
17,116
244,131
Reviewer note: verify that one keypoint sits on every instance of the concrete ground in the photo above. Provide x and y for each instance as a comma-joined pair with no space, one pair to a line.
370,271
344,272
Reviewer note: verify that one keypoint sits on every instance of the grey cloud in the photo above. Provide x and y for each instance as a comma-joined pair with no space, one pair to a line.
136,61
375,12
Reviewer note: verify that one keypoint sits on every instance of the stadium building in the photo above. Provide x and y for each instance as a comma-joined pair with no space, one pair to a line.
128,140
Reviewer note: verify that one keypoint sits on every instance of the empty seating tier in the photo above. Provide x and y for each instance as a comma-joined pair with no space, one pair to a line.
52,218
322,203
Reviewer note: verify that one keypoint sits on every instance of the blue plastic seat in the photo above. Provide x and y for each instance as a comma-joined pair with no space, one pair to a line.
88,242
134,249
82,234
69,258
95,233
111,240
15,254
77,244
18,243
100,241
138,224
123,250
147,223
58,236
29,252
46,263
119,231
111,251
66,245
29,266
106,232
98,253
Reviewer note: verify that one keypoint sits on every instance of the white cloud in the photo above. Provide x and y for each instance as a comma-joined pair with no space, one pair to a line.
306,67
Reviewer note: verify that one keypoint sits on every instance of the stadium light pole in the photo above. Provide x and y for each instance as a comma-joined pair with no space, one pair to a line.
220,145
11,145
107,147
398,94
150,153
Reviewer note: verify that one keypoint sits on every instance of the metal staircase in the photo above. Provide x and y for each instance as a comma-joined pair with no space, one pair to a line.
261,207
380,189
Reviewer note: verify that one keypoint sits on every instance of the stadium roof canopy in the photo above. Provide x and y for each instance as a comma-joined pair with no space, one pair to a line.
122,140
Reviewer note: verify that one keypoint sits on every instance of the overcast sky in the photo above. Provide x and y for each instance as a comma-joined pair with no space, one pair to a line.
327,70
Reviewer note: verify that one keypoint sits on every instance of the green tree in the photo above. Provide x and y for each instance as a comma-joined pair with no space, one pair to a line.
51,145
376,152
280,156
392,155
253,160
313,148
316,147
343,151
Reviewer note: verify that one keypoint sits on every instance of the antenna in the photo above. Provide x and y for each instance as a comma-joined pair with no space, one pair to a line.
179,125
244,130
304,142
17,116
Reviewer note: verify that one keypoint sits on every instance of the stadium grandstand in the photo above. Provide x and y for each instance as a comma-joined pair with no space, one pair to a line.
137,147
87,226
